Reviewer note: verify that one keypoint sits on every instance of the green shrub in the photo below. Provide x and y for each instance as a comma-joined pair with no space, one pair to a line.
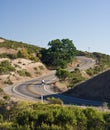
27,74
62,74
95,70
24,73
41,67
35,68
6,97
37,116
55,101
90,72
1,90
75,78
8,81
6,67
1,118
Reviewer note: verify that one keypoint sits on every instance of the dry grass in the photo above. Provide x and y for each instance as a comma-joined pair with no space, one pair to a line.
61,85
8,51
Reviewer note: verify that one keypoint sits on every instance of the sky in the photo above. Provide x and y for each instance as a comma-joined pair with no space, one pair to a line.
85,22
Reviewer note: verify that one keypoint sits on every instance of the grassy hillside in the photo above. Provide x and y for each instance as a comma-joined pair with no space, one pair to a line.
21,61
16,45
96,88
13,49
102,60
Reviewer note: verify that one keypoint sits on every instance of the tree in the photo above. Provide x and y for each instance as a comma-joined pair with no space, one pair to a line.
59,53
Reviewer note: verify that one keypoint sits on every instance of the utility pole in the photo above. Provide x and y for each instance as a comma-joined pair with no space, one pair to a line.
42,100
88,49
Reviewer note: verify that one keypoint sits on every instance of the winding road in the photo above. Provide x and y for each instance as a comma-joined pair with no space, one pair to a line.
37,91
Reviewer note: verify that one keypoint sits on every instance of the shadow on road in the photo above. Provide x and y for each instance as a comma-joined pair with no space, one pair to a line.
67,100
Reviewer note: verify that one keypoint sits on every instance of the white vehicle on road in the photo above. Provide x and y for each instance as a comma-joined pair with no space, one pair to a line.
43,81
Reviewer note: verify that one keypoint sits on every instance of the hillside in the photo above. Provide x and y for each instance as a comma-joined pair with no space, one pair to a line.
96,88
19,62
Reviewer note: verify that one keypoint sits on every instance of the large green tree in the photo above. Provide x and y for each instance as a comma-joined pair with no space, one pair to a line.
59,53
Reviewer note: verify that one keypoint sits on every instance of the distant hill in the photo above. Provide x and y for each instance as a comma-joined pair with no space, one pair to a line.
96,88
13,50
10,44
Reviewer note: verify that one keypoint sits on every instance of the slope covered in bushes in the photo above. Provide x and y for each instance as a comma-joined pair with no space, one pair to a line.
32,116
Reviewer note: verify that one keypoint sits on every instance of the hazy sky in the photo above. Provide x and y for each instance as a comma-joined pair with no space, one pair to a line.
86,22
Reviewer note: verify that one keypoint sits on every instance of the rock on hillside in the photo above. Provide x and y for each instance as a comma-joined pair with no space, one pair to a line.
97,88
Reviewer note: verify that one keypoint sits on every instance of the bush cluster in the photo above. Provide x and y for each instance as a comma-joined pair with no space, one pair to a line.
73,78
24,50
6,67
95,70
15,45
23,116
24,73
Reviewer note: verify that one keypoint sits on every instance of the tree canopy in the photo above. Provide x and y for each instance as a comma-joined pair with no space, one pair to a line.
59,53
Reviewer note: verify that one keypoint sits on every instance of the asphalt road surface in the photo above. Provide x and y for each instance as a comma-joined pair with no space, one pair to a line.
35,90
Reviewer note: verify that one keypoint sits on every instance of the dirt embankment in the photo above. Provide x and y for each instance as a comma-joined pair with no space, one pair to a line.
97,88
1,40
35,69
